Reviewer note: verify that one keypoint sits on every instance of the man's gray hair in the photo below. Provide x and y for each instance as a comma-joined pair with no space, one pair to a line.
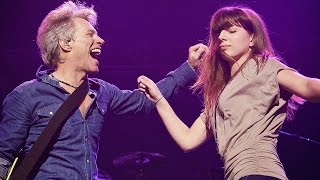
58,25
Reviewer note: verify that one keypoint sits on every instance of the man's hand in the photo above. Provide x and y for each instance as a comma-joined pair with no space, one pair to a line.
196,53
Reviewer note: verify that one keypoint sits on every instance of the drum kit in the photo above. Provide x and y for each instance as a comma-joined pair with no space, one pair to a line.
138,165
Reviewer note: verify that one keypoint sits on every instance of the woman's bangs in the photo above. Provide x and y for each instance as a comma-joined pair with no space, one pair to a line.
226,18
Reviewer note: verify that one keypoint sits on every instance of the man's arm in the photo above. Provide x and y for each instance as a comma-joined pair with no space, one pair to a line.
13,129
4,167
125,101
122,102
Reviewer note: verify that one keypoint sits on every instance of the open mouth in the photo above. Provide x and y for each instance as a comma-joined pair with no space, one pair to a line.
95,52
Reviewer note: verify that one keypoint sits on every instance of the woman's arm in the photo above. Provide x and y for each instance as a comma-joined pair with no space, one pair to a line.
187,138
302,86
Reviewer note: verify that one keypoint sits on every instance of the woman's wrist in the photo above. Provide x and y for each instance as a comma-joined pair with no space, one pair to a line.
159,99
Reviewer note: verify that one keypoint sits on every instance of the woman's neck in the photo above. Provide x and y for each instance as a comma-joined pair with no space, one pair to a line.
236,65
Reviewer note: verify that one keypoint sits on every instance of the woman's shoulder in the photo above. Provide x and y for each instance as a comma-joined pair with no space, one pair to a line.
274,64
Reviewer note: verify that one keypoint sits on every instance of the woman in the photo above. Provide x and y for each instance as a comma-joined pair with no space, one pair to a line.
246,95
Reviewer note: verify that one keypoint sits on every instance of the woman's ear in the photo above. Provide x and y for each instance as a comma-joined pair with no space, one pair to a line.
251,40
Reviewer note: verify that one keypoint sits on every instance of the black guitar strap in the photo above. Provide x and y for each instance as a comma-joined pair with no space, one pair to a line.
59,118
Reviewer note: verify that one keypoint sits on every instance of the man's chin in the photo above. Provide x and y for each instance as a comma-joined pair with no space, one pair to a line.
92,70
95,66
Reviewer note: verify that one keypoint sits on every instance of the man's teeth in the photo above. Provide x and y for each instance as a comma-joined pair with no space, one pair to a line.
96,51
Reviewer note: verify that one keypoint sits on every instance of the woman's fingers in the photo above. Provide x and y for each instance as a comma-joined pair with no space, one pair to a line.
148,87
145,82
195,54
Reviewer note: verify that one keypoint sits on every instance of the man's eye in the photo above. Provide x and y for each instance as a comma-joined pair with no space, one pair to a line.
90,34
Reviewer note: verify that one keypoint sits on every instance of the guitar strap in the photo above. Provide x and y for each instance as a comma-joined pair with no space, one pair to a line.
59,118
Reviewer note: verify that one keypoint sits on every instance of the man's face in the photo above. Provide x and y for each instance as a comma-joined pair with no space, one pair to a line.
85,47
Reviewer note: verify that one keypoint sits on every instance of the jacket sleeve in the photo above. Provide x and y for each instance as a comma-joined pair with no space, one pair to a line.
125,101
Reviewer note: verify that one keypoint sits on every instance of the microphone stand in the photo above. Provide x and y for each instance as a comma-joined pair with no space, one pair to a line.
300,137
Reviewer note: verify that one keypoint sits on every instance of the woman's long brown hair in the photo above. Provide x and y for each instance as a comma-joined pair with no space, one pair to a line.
215,71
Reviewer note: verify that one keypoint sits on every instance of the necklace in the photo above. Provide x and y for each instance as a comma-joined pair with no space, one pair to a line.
75,87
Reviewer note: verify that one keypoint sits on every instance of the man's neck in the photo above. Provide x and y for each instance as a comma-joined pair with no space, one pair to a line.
72,77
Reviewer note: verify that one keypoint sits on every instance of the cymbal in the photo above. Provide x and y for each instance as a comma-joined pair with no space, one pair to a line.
138,159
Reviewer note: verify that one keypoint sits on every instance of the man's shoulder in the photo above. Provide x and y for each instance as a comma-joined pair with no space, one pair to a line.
97,83
24,90
27,85
96,80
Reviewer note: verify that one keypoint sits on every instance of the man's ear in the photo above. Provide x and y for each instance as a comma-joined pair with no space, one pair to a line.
65,45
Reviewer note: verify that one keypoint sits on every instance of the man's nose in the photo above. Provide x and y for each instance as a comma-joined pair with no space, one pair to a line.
100,40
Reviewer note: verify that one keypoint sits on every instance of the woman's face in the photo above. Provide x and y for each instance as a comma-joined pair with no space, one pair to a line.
236,42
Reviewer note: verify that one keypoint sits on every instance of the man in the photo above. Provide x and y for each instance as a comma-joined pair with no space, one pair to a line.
70,44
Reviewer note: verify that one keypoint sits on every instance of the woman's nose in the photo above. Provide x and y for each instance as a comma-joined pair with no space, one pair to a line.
221,35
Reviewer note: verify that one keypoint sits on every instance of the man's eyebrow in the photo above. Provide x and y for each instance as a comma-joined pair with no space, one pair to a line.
92,31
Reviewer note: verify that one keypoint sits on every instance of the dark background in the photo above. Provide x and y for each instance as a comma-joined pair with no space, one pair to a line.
152,38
